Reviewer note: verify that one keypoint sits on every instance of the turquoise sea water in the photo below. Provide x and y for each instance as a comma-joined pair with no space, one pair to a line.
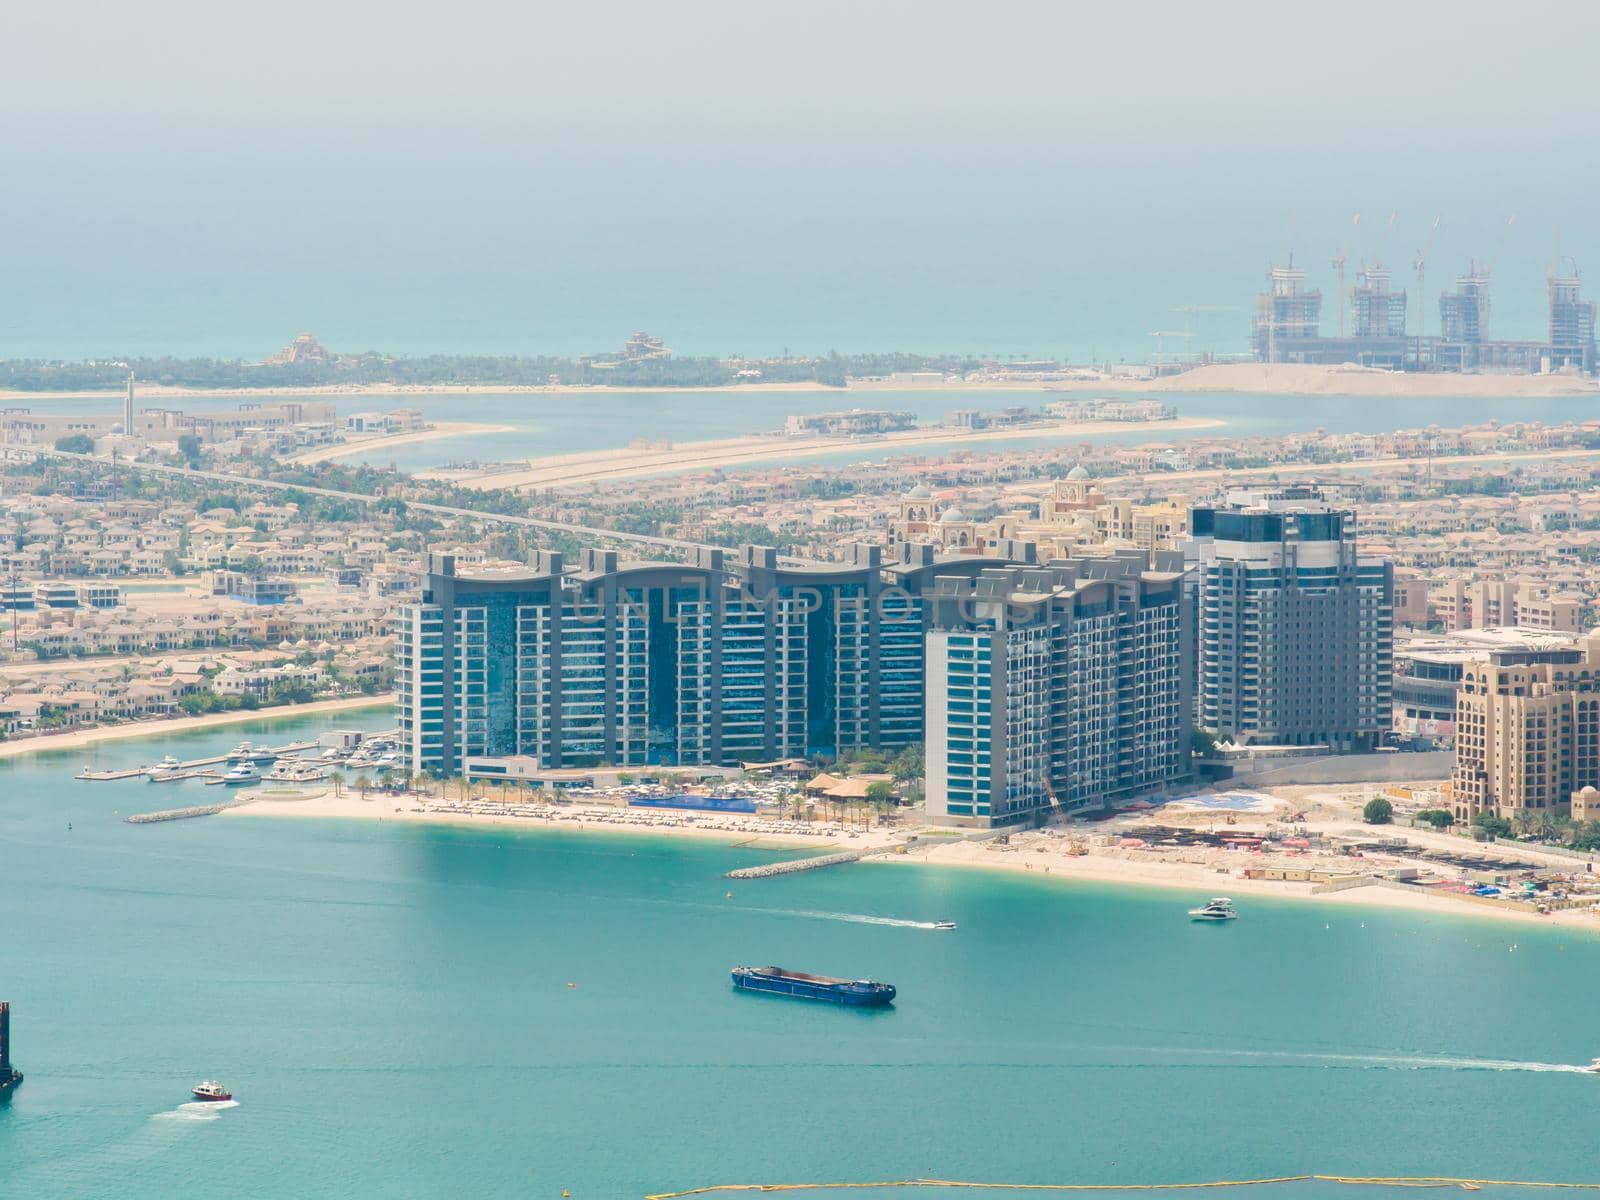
391,1005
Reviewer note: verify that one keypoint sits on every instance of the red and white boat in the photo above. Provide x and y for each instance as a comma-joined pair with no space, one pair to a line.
211,1090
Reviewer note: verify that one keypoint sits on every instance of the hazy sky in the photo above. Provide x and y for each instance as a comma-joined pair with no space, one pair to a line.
210,177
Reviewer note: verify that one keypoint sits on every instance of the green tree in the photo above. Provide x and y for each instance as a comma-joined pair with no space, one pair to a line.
1492,825
1378,811
1439,818
189,447
1202,743
75,443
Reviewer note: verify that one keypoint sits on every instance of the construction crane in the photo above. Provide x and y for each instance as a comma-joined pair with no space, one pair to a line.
1189,311
1339,258
1420,263
1162,334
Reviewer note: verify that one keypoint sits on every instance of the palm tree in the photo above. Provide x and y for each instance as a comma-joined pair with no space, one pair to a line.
337,779
363,783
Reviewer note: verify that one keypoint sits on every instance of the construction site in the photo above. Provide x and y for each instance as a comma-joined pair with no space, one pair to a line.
1375,329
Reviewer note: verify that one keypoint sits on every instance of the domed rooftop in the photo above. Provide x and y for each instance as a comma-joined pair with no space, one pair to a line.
919,493
1078,472
951,515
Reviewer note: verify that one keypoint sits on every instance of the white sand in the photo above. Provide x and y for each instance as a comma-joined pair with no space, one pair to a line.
388,441
1039,854
78,738
595,466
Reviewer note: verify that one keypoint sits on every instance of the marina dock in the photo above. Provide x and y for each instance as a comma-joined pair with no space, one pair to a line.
193,766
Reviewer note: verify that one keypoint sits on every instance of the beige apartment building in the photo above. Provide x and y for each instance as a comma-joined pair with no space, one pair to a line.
1527,731
1489,603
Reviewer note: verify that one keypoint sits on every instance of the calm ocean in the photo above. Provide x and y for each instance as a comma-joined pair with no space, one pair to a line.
435,1012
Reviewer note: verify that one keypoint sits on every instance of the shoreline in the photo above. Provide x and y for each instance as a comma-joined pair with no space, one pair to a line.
595,466
1292,379
956,853
388,441
77,739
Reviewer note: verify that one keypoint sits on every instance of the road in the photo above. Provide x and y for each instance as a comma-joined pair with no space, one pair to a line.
273,485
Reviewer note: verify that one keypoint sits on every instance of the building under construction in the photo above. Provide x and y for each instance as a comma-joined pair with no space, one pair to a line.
1288,326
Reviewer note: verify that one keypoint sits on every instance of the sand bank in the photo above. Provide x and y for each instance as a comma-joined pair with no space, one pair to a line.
1295,379
597,466
76,739
388,441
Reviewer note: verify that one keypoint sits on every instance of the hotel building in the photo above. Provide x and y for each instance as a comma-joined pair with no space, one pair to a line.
1055,688
1295,631
1527,731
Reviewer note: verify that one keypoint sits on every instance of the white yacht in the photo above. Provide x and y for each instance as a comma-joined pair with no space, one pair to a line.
243,772
168,763
294,770
1218,908
244,752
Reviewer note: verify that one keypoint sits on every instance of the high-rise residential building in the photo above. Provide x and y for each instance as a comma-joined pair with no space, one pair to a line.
734,658
1055,688
1527,728
723,659
1295,629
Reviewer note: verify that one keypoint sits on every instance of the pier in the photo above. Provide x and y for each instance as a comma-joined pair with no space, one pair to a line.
193,766
800,864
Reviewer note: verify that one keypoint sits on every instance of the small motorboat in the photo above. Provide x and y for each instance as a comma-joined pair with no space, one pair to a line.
1219,908
211,1091
944,924
1594,1066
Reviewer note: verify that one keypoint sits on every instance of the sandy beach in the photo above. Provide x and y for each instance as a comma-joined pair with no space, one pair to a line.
1058,853
599,465
441,429
1296,379
76,739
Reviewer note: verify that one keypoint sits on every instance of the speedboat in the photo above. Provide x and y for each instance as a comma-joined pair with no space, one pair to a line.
244,772
1219,908
944,924
210,1091
1594,1066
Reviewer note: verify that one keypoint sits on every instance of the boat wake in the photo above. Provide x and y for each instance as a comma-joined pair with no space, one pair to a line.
196,1110
1402,1062
855,918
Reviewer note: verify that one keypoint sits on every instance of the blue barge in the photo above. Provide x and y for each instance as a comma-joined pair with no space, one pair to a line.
781,982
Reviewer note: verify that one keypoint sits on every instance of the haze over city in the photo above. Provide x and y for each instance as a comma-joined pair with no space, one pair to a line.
1029,180
657,600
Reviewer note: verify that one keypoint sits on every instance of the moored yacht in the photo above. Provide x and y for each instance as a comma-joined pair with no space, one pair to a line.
1219,908
244,772
244,752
